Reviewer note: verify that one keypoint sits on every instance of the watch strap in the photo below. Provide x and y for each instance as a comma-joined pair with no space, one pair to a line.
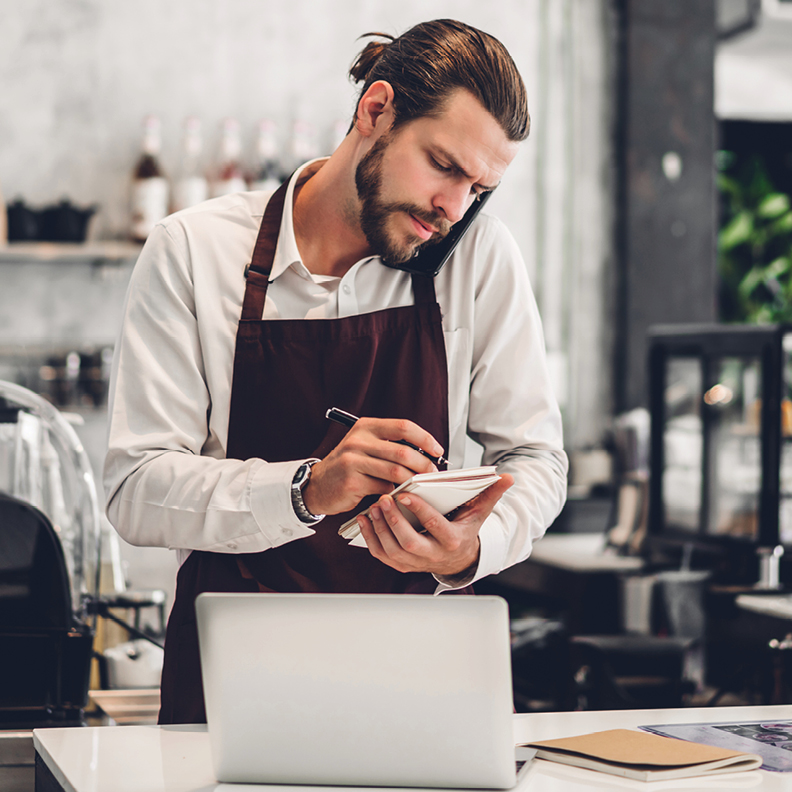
299,481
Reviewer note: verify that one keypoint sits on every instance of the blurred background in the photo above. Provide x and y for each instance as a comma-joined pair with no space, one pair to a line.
654,188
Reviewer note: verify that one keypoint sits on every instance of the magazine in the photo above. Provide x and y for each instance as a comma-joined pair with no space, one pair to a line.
771,740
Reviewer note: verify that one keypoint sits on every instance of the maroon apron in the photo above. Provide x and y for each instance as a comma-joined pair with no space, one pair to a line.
287,373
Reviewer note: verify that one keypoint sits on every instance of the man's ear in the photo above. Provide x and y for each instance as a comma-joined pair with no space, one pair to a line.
375,113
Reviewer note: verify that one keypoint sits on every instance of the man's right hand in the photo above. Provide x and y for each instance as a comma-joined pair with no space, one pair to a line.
368,461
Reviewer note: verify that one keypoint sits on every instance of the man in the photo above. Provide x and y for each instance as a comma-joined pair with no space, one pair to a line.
219,446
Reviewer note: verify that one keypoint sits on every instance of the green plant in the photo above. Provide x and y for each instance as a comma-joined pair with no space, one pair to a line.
754,243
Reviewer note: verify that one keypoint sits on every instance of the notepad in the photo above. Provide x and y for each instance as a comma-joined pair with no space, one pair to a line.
644,757
445,490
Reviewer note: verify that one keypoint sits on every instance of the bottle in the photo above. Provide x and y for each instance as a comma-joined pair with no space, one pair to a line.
149,185
191,186
303,143
3,221
266,173
229,177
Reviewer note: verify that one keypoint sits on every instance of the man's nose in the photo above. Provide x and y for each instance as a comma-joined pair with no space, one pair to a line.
453,202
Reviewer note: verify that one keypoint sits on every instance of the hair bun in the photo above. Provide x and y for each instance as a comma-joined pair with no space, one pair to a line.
369,56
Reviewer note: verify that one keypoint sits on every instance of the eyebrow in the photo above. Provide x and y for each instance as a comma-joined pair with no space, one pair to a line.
459,169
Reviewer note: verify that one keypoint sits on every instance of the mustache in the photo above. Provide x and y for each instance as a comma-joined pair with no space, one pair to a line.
431,219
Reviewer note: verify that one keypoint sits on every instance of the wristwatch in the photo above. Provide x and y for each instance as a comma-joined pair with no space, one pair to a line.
299,481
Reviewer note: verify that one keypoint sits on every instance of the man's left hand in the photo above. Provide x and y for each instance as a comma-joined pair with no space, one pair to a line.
448,547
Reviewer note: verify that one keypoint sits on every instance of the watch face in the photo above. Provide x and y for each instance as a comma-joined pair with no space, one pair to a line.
301,476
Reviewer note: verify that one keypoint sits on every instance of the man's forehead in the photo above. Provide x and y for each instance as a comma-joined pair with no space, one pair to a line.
470,136
449,159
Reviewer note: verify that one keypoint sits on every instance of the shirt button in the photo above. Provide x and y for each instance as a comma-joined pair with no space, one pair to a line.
231,546
346,289
287,532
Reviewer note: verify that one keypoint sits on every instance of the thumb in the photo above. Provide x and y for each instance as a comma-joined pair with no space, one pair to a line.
485,502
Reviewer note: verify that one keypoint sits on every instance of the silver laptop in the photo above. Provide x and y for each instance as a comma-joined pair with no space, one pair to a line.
360,690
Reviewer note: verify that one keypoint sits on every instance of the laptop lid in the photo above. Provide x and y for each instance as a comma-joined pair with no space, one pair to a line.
369,690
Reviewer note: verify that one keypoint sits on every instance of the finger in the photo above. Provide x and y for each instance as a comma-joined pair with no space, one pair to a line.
395,429
385,459
401,535
369,473
369,535
476,511
398,538
433,522
380,541
446,547
408,457
396,471
485,502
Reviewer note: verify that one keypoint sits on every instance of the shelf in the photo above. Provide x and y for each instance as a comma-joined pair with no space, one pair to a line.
28,252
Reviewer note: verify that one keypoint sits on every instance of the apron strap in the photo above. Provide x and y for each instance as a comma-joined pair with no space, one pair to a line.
423,289
258,271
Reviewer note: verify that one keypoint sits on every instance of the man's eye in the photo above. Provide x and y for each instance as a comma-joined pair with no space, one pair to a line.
438,166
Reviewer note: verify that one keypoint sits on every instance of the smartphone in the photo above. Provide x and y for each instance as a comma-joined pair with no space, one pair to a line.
430,260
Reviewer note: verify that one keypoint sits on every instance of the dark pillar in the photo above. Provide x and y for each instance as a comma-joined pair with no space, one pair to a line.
666,214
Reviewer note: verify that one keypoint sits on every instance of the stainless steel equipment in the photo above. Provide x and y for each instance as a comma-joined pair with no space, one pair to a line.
49,563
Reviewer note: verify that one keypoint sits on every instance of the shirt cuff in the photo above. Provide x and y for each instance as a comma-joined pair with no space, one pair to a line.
454,582
271,506
491,552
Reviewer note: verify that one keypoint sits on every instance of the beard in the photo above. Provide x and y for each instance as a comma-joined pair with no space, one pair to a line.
375,213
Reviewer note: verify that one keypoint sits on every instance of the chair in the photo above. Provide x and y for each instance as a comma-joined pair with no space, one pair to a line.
630,671
541,676
634,670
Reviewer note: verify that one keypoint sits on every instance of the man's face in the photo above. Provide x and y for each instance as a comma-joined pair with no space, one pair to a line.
415,182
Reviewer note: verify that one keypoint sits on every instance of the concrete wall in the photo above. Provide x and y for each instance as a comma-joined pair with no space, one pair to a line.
78,76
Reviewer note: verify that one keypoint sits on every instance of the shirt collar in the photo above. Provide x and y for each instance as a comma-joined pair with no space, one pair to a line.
287,254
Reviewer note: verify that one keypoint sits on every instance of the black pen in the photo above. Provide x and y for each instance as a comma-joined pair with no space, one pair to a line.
349,420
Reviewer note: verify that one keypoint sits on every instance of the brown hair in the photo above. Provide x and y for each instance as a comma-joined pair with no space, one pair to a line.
431,59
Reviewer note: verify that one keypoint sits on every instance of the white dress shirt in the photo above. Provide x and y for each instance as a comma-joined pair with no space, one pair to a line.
166,476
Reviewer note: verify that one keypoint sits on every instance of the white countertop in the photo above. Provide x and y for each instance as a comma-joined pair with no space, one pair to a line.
110,250
176,758
582,553
778,605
